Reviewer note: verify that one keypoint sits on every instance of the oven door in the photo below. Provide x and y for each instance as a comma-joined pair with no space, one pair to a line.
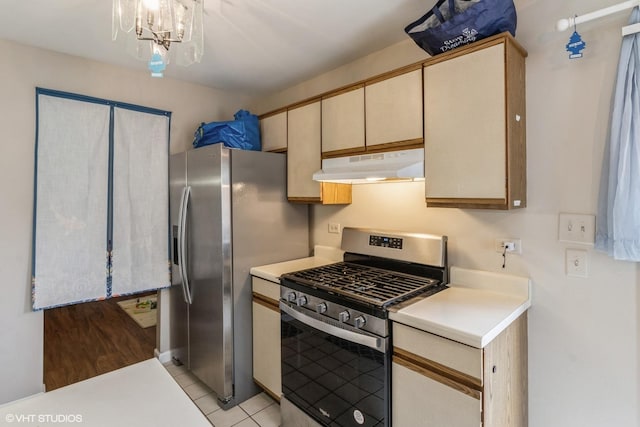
335,373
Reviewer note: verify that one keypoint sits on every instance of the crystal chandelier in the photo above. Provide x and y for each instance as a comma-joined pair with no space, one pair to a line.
160,25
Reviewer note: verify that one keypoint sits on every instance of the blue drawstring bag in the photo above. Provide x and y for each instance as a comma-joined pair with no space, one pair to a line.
242,133
454,23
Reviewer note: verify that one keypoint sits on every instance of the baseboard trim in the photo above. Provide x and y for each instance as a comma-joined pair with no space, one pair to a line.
164,357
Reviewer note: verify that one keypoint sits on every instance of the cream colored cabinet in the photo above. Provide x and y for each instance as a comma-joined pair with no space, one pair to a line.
393,110
409,408
304,158
266,336
474,126
440,382
343,122
303,153
273,131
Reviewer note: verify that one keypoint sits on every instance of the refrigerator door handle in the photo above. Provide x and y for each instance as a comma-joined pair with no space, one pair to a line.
182,233
180,240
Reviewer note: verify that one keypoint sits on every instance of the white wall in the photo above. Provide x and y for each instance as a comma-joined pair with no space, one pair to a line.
21,70
584,345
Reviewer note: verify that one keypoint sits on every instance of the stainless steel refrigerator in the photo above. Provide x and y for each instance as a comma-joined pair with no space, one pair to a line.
229,212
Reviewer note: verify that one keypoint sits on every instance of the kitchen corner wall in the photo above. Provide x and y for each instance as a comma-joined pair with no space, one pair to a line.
584,345
23,68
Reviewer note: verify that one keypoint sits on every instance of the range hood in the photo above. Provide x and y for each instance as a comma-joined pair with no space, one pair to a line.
367,168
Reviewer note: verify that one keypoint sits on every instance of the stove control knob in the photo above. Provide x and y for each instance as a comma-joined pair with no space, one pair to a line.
302,300
321,308
360,321
343,316
291,296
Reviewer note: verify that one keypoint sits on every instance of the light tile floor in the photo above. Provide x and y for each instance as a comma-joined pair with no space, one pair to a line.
259,411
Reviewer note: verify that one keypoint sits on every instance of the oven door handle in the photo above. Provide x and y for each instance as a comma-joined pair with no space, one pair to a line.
351,336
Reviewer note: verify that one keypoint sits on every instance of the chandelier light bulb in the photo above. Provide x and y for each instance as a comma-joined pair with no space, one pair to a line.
151,4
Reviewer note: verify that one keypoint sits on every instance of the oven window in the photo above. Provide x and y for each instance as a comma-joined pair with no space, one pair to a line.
336,382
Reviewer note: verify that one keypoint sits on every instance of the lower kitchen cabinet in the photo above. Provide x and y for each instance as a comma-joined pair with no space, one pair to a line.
439,382
413,405
266,336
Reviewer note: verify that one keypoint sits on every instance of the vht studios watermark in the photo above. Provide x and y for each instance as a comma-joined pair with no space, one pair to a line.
43,418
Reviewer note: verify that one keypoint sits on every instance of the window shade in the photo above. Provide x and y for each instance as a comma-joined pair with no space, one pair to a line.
72,157
100,201
140,209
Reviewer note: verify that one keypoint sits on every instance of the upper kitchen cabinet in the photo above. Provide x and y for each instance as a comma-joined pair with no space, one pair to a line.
343,122
304,158
273,131
474,126
393,109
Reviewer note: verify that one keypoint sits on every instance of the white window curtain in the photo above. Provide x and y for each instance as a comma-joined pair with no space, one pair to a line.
618,229
70,255
140,208
100,201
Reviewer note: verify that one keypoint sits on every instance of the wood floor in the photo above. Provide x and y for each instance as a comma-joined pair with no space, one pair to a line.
85,340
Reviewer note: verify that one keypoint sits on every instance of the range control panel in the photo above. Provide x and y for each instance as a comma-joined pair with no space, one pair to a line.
385,242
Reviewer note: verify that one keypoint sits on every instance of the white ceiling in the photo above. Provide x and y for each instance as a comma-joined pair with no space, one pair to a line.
254,46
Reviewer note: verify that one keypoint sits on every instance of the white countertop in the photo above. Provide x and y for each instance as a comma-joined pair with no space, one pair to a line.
477,306
143,395
323,255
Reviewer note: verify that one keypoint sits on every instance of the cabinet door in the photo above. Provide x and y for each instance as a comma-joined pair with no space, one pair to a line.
266,347
304,158
303,153
419,401
343,122
465,131
273,132
394,110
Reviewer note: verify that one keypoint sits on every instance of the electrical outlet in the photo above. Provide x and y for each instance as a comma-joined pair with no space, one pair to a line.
334,228
576,263
577,228
514,245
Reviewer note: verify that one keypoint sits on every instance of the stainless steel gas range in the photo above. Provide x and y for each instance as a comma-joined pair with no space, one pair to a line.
336,363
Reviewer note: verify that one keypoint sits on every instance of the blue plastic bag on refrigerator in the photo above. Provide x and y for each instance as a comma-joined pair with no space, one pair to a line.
242,133
454,23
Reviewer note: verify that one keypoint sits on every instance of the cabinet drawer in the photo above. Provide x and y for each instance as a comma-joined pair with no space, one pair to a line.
266,288
452,354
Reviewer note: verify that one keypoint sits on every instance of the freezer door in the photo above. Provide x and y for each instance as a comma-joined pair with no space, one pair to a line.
179,312
209,268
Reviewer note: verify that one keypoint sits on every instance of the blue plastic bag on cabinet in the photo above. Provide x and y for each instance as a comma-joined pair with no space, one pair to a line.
454,23
242,133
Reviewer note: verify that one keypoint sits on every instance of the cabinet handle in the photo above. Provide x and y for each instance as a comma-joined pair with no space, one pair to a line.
494,369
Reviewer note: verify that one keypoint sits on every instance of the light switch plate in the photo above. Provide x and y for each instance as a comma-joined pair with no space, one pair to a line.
577,228
576,263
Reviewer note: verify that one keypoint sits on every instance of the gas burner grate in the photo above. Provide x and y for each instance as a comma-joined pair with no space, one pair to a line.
373,285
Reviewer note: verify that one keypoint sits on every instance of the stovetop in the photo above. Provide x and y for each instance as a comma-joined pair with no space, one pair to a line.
372,285
379,269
